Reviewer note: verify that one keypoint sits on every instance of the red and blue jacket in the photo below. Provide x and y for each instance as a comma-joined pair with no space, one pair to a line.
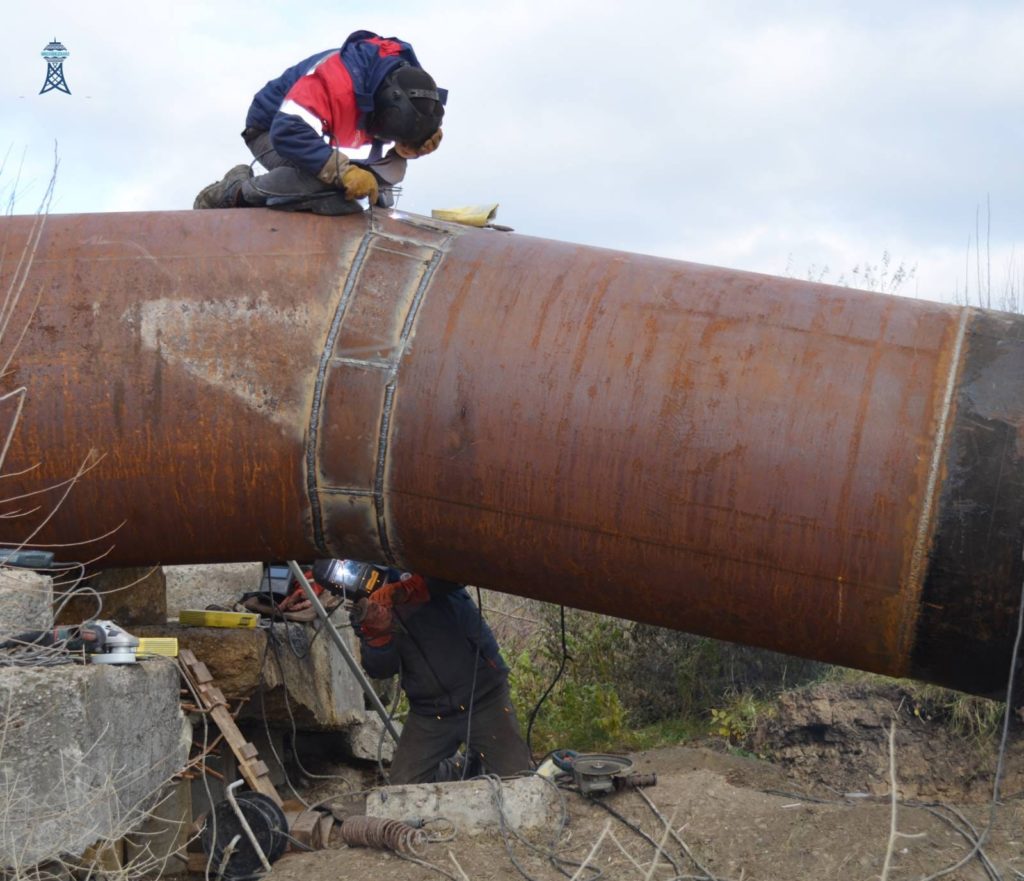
323,101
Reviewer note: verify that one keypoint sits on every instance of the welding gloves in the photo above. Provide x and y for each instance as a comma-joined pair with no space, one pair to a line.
428,146
355,181
374,618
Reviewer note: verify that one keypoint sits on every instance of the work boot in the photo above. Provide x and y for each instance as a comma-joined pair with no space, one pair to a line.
225,193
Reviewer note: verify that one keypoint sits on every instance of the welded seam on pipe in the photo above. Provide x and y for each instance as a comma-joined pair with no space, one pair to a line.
354,491
318,388
378,363
924,524
389,395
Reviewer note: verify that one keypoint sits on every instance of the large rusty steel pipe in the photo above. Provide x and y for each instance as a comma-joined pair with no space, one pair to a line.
826,472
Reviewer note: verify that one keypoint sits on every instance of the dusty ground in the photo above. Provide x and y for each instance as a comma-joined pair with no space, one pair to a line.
814,807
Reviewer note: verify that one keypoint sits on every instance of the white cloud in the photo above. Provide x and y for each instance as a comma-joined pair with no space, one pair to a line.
739,133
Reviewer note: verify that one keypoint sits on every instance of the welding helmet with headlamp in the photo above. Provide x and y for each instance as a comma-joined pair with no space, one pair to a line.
350,578
407,108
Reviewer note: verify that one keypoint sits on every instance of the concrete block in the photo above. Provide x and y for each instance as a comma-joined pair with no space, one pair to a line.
472,805
364,736
158,847
321,689
131,596
84,754
196,587
26,601
306,674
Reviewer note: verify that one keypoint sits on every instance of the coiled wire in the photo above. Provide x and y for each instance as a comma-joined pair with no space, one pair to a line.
383,834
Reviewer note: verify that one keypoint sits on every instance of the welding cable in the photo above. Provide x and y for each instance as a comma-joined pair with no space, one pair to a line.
682,844
78,589
384,728
550,853
272,645
197,700
561,669
261,688
629,824
472,687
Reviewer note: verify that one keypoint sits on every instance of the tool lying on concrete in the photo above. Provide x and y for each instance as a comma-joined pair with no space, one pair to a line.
217,618
102,641
21,558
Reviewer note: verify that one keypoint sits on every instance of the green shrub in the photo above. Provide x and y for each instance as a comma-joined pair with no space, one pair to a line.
627,684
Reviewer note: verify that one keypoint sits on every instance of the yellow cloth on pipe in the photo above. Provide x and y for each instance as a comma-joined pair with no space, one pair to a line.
470,215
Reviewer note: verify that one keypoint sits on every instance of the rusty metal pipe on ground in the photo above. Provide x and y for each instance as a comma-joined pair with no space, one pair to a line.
826,472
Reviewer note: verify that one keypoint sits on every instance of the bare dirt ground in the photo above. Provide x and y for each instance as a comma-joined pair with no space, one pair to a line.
814,805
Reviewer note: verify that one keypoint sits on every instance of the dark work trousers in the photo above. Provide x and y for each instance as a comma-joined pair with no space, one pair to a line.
288,187
493,733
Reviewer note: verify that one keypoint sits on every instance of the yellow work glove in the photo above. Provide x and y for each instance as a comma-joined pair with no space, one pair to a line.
406,151
359,182
355,181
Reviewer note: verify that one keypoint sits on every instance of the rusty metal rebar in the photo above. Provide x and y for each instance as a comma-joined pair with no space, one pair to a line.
827,472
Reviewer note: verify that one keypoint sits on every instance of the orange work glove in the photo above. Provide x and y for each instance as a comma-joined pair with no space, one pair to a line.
373,622
407,151
409,589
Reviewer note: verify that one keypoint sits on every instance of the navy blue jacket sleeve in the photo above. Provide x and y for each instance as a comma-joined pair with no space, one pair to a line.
379,663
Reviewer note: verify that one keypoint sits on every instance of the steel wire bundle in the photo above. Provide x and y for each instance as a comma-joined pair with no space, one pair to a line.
382,833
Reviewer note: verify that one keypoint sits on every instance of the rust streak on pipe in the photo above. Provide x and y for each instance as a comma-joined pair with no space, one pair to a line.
826,472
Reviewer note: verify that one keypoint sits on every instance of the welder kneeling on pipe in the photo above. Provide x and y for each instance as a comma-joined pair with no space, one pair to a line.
432,634
372,91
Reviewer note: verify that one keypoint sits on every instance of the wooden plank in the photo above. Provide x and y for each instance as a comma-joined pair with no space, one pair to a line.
305,828
326,825
253,771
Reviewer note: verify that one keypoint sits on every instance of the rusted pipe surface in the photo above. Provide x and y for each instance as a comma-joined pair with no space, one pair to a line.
822,471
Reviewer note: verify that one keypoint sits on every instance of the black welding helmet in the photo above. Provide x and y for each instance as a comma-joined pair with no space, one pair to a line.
407,108
348,576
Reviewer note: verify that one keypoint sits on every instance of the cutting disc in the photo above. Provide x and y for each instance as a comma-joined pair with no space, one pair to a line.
597,765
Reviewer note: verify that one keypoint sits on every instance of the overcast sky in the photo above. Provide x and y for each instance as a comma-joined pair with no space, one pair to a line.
781,137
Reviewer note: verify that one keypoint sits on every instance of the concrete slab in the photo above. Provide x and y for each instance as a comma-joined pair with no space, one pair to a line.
472,805
196,587
26,601
84,753
304,676
131,596
364,737
159,847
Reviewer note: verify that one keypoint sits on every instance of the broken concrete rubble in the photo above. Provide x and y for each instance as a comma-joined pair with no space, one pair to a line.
26,601
85,752
130,596
364,737
302,675
197,587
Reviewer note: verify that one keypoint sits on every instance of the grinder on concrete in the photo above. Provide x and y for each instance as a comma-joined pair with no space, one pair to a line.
102,641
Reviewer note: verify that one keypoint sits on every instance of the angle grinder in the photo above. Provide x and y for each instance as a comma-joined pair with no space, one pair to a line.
102,641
